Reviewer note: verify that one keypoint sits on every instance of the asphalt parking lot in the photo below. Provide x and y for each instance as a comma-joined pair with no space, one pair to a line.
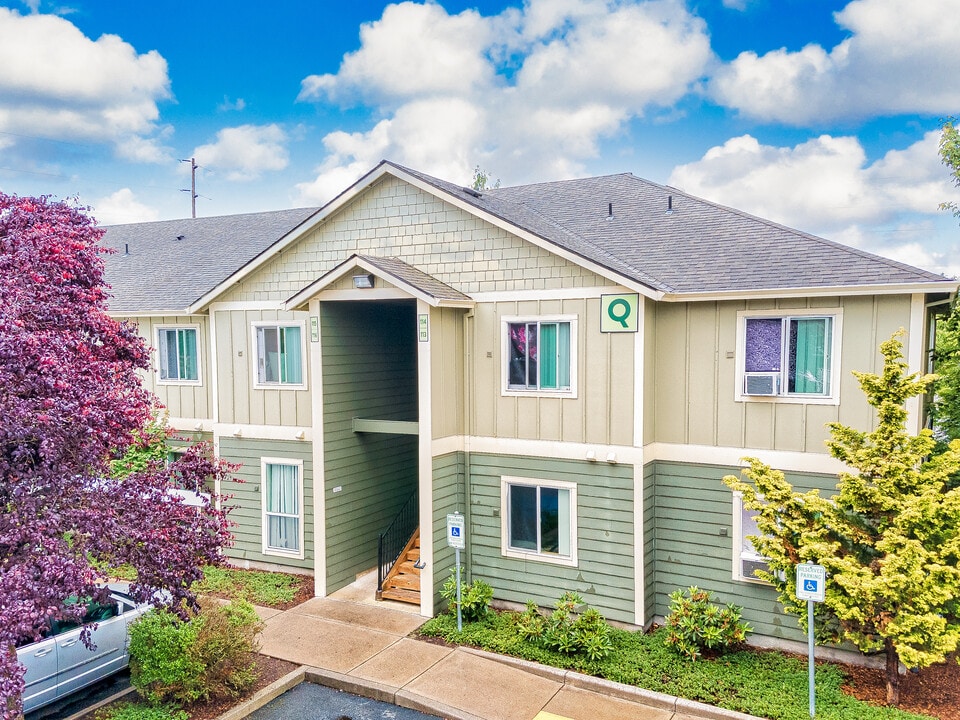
308,701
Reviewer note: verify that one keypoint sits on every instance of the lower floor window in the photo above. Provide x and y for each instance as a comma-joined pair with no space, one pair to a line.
539,519
746,559
283,507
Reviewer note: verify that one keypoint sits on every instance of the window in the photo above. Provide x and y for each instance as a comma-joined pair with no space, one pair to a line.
178,355
282,507
539,355
746,559
789,356
539,520
279,353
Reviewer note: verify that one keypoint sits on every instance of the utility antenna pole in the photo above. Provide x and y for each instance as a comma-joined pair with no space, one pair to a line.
193,186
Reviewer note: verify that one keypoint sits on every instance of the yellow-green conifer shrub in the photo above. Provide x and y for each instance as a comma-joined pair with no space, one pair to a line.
889,539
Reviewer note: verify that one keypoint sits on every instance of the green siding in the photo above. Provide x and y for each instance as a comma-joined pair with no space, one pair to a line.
247,502
692,508
605,526
180,441
448,497
369,372
649,541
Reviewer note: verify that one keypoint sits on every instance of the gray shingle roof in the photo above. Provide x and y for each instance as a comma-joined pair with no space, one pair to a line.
427,284
699,247
172,263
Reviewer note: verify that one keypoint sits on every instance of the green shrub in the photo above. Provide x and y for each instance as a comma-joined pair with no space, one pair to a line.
475,597
207,656
695,624
135,711
585,633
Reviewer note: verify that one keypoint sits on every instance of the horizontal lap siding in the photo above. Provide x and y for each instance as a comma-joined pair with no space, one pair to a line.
649,540
448,497
247,500
605,526
691,509
369,371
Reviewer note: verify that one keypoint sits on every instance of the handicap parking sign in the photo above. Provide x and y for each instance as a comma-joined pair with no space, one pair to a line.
456,531
810,582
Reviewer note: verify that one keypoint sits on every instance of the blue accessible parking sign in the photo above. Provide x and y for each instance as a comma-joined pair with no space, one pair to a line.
810,582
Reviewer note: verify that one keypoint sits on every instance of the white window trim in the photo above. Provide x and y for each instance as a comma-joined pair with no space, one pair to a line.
505,388
738,543
800,399
264,527
507,551
156,339
254,354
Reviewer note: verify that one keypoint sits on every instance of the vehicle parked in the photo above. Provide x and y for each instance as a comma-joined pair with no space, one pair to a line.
60,664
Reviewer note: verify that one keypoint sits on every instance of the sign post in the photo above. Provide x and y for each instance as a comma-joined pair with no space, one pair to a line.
456,538
810,587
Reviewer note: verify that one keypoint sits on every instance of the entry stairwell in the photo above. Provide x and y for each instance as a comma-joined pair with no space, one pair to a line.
403,581
398,556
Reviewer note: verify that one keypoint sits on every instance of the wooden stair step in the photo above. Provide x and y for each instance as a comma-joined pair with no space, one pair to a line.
408,596
409,582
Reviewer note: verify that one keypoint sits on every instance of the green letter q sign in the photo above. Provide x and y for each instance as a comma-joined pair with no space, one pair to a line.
619,313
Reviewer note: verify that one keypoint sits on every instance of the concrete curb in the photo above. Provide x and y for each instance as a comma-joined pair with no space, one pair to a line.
618,690
103,703
262,697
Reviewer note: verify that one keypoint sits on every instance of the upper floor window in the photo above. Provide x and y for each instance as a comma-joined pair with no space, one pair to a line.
540,355
279,353
789,356
178,355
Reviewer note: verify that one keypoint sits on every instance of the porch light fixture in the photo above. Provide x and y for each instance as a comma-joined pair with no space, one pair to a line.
363,282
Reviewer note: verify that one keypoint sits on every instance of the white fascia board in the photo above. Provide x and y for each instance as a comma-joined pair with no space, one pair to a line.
357,263
948,286
183,312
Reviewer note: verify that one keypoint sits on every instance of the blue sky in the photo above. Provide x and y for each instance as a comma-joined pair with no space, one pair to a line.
821,115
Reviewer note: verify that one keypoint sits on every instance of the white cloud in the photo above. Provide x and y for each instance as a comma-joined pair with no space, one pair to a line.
826,186
57,83
528,93
900,58
245,152
229,105
122,207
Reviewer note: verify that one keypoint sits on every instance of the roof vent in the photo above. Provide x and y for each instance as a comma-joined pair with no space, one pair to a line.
669,204
180,237
472,191
126,248
609,210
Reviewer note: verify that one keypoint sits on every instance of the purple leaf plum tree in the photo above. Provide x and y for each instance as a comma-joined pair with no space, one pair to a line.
71,402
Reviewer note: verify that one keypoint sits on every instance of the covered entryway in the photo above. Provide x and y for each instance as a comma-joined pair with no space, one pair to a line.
372,348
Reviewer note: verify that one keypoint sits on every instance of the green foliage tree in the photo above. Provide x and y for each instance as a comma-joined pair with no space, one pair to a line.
950,155
889,538
945,408
480,180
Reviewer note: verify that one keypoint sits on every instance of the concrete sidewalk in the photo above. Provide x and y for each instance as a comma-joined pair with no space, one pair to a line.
364,649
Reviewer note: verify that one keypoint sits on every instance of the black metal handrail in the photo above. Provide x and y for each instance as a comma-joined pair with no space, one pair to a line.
393,540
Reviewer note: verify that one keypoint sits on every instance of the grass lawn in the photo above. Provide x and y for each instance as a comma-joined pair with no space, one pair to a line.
766,684
270,589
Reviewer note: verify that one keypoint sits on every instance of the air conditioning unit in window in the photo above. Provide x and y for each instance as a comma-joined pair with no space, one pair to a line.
761,384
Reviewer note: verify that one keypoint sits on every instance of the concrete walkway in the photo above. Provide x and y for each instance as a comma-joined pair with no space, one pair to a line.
364,648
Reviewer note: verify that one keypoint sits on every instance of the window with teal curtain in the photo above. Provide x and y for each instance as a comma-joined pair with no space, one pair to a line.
282,507
539,356
177,354
291,362
279,355
809,360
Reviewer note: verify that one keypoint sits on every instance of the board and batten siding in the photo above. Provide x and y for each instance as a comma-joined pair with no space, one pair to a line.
694,543
448,497
248,502
447,358
181,400
604,575
392,218
369,372
694,374
601,412
239,401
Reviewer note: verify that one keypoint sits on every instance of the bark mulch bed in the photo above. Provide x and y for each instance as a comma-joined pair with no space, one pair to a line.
934,691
